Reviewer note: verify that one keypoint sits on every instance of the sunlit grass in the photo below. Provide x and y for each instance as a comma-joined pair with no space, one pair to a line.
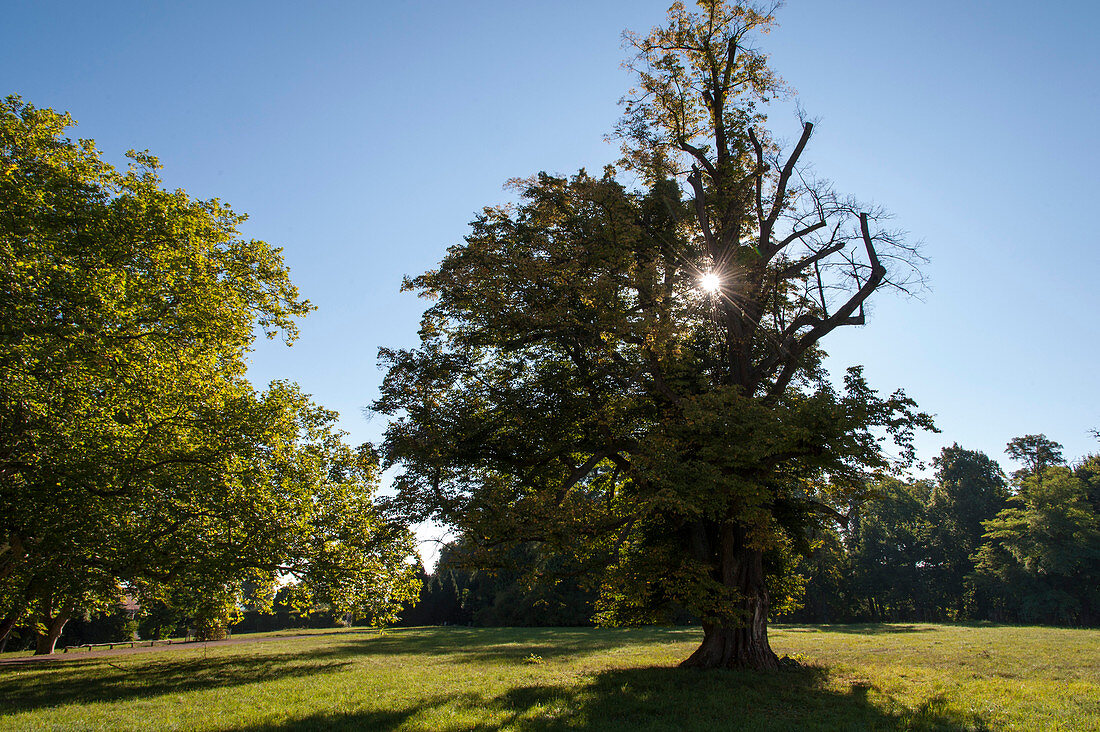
857,677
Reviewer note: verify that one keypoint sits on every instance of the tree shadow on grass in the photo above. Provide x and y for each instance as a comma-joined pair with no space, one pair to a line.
27,687
119,678
489,644
631,700
860,628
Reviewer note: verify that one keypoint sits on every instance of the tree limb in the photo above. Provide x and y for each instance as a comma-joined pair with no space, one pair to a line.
793,269
696,181
781,192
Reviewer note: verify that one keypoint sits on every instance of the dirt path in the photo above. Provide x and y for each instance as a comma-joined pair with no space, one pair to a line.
78,655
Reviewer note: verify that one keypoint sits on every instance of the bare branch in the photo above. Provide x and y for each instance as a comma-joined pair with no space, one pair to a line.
871,255
731,57
798,266
781,190
820,288
792,346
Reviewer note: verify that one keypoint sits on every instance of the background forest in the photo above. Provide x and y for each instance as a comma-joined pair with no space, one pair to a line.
970,543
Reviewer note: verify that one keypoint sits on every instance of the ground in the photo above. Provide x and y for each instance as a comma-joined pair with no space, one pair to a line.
850,677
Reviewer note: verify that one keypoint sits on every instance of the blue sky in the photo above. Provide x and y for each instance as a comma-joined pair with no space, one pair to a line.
362,137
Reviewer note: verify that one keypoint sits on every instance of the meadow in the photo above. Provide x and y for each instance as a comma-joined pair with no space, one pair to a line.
900,676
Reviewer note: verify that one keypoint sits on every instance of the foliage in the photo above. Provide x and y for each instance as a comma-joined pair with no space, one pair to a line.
1088,472
890,552
160,620
133,448
1036,452
969,489
959,548
116,624
527,587
575,386
826,575
527,419
910,552
1042,555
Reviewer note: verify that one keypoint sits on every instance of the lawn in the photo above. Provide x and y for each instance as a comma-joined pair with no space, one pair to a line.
853,677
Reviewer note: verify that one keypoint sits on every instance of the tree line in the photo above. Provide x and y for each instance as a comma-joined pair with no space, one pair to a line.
967,543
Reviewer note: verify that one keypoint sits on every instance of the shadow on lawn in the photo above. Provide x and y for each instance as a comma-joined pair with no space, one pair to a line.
632,699
662,699
118,678
858,629
489,644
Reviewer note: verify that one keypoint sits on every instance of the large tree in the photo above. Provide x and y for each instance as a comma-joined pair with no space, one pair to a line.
637,378
1041,558
132,447
889,554
969,489
1036,452
1087,471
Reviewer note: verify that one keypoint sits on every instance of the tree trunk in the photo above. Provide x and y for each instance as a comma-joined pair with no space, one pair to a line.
7,625
742,643
734,647
15,613
54,626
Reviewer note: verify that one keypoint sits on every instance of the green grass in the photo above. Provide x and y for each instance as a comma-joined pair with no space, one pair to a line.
857,677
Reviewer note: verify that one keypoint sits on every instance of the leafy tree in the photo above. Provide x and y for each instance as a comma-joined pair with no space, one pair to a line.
889,553
131,445
1088,472
827,574
112,625
524,586
969,489
1041,558
637,379
159,619
448,590
1036,452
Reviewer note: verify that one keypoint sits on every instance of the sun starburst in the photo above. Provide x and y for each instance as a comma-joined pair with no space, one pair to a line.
710,283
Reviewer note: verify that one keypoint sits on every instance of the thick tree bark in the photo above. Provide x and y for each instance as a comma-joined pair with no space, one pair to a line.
54,626
743,642
734,647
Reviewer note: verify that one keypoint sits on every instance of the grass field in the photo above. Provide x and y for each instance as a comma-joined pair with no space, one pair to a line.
853,677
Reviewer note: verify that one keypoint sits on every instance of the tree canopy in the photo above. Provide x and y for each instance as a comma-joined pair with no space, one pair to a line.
133,447
637,378
1041,558
970,488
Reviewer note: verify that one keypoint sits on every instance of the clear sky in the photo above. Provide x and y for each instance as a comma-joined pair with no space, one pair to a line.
362,137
